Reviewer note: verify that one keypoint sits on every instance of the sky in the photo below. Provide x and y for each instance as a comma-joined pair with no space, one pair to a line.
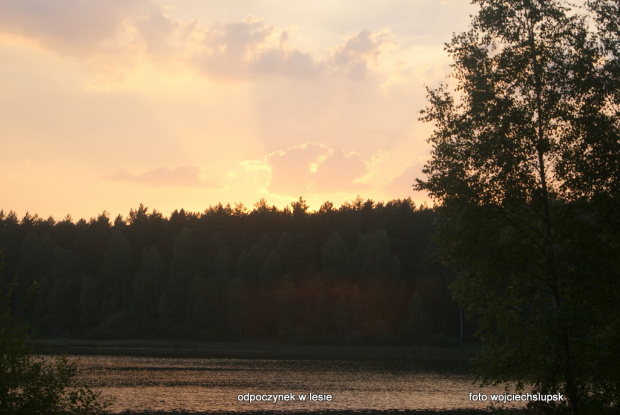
106,104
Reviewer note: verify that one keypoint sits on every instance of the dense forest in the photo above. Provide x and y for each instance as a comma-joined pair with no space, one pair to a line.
363,273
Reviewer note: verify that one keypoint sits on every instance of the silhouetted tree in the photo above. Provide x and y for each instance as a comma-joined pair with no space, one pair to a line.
115,271
334,256
236,304
526,166
147,284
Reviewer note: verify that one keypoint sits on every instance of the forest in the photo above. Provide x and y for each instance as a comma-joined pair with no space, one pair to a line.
363,273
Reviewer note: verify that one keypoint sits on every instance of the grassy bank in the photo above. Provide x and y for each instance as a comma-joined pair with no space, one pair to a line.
247,350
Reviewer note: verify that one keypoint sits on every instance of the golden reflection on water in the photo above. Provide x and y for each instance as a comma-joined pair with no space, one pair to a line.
182,384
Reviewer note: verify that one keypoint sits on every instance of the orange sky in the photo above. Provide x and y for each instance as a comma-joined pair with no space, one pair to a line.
183,104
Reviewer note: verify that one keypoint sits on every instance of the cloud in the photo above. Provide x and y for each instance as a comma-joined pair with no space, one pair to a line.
249,48
310,169
112,37
184,176
403,183
289,63
70,27
359,54
292,169
339,172
156,29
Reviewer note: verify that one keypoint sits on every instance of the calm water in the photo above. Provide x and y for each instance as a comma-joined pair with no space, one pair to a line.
146,383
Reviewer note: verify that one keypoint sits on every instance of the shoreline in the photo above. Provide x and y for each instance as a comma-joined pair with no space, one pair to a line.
247,350
347,412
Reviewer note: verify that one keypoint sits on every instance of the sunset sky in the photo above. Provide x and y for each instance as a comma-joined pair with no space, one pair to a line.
186,103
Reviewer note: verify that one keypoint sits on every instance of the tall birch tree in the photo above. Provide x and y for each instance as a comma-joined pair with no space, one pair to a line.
525,169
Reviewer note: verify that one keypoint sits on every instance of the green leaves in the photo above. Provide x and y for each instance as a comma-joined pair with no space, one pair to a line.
31,385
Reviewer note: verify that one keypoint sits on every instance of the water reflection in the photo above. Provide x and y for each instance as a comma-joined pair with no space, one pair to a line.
175,384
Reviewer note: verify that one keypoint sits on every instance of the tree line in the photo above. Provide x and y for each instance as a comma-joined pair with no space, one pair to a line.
362,273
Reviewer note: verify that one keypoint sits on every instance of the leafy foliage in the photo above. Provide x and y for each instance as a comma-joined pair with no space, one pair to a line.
31,385
526,167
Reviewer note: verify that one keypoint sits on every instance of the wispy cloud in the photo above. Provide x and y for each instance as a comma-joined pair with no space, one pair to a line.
113,37
70,27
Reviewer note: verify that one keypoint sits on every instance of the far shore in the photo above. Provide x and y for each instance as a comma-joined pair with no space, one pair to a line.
248,350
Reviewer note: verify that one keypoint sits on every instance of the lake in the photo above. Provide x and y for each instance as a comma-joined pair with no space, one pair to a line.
199,384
